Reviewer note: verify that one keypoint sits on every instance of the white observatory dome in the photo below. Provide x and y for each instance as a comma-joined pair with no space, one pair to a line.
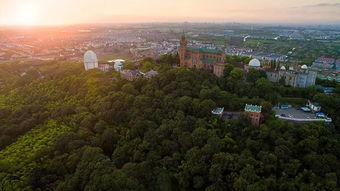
304,67
90,60
254,63
283,68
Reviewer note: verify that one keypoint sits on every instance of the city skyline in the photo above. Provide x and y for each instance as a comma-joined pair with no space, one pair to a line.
63,12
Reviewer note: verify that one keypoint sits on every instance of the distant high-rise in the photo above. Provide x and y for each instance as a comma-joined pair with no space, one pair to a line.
90,60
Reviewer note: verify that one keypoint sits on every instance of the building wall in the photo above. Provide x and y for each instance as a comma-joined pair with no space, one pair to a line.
301,79
104,67
125,74
311,78
90,65
182,51
193,59
338,65
218,69
290,78
273,76
255,117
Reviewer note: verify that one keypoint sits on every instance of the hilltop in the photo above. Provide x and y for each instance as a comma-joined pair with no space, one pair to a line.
90,130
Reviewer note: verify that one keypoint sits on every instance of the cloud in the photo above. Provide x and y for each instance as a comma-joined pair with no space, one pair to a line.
320,5
326,5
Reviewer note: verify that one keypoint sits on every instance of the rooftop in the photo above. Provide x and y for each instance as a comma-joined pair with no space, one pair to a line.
151,74
324,59
253,108
132,72
218,111
254,62
204,50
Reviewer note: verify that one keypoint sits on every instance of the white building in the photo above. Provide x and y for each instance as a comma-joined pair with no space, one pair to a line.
315,107
255,63
118,64
303,77
90,60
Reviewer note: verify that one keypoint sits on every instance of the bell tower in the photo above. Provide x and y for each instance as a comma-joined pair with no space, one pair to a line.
183,40
182,50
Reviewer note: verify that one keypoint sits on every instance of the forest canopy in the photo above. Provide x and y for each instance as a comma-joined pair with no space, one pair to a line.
66,129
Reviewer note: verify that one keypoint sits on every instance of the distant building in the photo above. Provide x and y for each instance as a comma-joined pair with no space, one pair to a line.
337,64
218,69
326,60
326,90
273,75
266,56
218,111
253,63
324,63
302,78
118,64
130,74
315,107
104,67
210,59
254,111
90,60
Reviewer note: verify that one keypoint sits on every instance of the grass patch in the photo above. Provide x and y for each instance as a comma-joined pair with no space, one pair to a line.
106,57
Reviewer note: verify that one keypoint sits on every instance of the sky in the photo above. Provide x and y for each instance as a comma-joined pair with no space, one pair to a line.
65,12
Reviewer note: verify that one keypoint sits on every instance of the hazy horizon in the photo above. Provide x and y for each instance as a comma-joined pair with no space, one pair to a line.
62,12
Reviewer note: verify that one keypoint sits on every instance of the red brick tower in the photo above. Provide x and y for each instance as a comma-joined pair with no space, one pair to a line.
254,111
182,50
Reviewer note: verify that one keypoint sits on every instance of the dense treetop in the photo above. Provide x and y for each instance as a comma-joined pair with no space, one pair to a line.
66,129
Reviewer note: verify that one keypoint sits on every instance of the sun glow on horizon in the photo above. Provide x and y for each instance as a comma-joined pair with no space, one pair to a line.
27,14
64,12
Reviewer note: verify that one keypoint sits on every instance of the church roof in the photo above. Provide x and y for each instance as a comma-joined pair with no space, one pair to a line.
204,50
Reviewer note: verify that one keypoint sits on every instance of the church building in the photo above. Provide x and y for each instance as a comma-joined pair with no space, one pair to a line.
210,59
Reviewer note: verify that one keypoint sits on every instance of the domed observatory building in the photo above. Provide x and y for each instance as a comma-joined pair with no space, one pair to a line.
304,67
254,63
302,78
90,60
